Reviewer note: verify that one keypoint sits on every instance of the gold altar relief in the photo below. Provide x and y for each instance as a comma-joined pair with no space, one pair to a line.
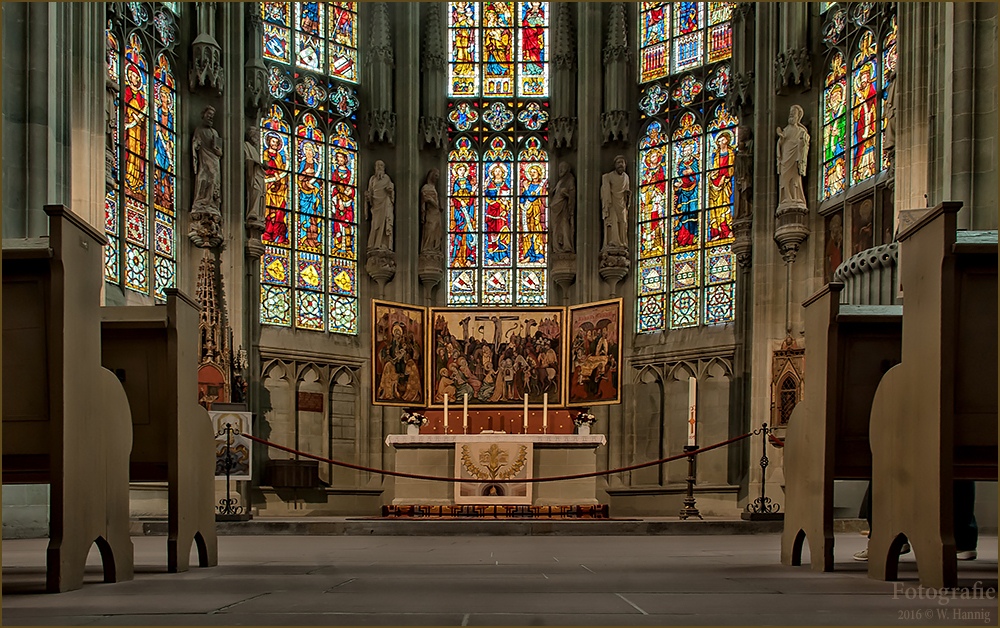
484,462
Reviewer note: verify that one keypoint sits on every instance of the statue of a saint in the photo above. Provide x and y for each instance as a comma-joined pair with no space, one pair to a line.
379,198
744,172
430,214
254,177
563,207
793,153
615,199
889,109
207,152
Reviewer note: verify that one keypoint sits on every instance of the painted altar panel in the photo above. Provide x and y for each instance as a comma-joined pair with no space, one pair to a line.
497,357
595,353
482,462
399,375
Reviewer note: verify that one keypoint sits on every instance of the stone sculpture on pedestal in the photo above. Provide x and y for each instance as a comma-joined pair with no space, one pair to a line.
206,215
380,199
616,196
254,170
792,158
431,263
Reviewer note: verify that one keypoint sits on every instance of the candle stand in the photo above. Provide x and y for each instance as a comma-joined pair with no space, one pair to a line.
689,509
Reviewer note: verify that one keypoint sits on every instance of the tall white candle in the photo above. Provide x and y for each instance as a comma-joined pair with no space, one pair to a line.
545,413
465,414
692,410
525,412
446,413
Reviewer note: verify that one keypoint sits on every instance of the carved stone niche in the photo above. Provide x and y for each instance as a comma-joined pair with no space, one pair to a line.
787,379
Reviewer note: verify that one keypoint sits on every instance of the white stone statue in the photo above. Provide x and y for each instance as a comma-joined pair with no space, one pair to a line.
793,154
255,175
889,109
616,196
380,198
430,214
206,149
563,208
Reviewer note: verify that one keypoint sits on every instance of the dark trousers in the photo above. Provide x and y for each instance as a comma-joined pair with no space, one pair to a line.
966,529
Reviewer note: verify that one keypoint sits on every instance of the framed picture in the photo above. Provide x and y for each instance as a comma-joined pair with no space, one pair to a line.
240,447
496,357
594,353
482,462
399,374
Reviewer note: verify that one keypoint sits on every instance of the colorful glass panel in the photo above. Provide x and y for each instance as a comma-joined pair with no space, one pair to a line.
497,217
140,197
686,168
310,155
855,89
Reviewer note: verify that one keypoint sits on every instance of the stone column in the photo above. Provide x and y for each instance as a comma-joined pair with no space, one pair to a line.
433,128
793,63
564,82
615,119
381,117
206,70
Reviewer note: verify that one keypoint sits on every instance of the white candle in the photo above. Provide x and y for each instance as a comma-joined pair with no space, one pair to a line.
525,412
692,410
465,414
545,413
446,413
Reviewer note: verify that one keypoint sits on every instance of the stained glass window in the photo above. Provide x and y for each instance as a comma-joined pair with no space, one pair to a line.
139,202
686,265
309,148
498,84
861,44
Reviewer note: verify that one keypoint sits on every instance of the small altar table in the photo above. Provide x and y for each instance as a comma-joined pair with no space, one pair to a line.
553,455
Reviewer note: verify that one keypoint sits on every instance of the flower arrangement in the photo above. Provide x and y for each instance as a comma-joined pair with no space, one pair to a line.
585,418
410,417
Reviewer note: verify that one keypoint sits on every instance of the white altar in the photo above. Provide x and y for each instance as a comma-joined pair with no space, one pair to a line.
551,455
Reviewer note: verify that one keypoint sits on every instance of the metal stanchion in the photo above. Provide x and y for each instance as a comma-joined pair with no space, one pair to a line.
228,509
762,508
689,509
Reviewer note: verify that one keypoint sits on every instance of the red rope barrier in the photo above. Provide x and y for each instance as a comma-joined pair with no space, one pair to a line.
437,478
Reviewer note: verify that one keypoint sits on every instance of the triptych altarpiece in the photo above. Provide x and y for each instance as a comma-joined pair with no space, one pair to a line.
496,357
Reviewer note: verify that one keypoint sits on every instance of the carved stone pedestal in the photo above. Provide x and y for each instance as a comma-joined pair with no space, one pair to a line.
430,269
743,240
255,227
791,229
614,265
381,267
564,270
206,229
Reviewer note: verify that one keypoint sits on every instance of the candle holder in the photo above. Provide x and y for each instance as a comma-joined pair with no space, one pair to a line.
689,509
762,508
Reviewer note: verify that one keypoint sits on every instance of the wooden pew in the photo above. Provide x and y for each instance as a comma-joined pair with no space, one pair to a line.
66,420
848,348
154,350
934,418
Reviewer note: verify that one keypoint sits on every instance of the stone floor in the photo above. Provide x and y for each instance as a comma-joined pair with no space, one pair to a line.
489,580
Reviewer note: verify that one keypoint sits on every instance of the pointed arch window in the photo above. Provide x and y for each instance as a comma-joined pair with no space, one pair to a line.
687,151
860,40
309,149
498,111
141,191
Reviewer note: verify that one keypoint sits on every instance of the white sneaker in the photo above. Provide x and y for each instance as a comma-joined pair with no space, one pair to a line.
966,555
862,556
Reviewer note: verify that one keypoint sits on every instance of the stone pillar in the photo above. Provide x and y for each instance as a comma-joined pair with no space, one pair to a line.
433,127
205,71
564,81
257,96
615,119
793,63
381,117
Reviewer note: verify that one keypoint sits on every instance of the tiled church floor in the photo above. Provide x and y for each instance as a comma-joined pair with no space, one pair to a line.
488,580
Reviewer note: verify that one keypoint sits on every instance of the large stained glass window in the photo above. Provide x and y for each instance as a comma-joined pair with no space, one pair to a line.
498,169
686,265
140,196
861,56
309,149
